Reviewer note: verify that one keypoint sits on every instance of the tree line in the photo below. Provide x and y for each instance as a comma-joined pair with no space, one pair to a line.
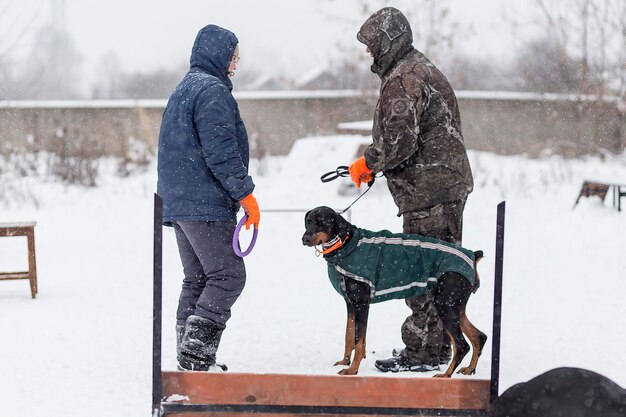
579,47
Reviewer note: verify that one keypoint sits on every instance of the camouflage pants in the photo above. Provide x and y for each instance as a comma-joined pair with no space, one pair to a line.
422,332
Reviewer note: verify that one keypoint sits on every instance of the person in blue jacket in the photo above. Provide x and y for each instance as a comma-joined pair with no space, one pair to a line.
203,178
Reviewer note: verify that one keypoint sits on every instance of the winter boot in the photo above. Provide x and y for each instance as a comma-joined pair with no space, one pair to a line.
444,356
403,364
199,345
180,331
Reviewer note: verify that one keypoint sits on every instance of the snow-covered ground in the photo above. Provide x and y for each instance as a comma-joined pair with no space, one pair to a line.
83,347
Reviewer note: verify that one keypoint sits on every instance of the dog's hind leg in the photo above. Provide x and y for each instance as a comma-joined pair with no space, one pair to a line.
350,336
452,293
476,338
460,348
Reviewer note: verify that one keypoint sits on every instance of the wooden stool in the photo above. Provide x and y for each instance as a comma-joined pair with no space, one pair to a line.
22,229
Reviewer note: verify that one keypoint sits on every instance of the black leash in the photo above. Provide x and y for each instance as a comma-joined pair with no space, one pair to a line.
344,171
341,171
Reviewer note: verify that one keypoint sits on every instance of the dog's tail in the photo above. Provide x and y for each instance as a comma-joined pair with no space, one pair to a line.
478,255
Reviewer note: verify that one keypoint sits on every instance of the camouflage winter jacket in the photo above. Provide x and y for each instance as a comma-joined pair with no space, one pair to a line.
417,139
397,265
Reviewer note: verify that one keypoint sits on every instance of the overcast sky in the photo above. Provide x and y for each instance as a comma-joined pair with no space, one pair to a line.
277,36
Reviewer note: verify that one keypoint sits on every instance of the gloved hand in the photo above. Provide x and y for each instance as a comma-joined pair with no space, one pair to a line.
359,172
251,208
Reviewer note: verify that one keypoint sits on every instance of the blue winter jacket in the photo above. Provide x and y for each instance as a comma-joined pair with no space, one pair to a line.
203,149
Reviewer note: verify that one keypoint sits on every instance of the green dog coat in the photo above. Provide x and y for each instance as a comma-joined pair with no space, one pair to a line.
397,265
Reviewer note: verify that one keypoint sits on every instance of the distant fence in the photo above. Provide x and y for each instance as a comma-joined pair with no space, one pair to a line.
527,123
500,122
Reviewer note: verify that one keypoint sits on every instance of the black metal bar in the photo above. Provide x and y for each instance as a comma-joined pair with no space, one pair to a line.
497,304
157,305
181,408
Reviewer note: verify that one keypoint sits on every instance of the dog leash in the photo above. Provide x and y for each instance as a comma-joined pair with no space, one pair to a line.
341,171
344,171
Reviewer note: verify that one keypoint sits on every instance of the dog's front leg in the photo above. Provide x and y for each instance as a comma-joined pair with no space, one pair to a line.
349,345
358,294
361,313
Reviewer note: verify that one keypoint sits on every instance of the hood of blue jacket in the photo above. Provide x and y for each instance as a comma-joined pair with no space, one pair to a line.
213,50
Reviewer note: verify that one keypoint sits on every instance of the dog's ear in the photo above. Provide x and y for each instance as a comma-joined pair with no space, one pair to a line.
344,228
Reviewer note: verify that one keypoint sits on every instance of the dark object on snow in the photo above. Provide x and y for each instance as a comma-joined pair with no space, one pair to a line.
563,392
199,345
367,267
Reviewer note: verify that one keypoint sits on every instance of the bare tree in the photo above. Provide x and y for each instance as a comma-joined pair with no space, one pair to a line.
433,29
16,21
544,65
471,73
7,83
589,33
155,84
110,75
581,51
52,68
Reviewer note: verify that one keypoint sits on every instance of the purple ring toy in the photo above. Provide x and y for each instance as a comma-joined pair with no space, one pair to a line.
236,246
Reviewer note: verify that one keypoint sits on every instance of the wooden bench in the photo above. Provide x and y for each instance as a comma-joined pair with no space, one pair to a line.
22,229
600,189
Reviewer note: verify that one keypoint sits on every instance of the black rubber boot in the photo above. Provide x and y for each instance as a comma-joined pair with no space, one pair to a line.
403,364
199,345
444,356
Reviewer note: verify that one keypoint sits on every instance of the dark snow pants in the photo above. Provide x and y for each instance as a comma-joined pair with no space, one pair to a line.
214,274
422,332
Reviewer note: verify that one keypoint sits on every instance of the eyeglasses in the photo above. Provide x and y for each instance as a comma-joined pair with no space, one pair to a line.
235,59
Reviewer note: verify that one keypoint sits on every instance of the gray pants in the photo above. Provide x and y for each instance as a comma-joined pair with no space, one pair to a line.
422,332
214,274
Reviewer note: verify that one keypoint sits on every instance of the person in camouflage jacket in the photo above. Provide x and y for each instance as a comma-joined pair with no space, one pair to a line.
418,146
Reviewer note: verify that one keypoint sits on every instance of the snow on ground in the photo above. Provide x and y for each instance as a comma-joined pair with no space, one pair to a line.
84,345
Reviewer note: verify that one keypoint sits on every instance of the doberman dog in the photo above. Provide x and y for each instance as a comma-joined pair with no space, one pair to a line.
340,239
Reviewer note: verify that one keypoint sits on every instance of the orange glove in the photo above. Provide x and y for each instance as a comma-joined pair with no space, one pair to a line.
359,172
251,207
